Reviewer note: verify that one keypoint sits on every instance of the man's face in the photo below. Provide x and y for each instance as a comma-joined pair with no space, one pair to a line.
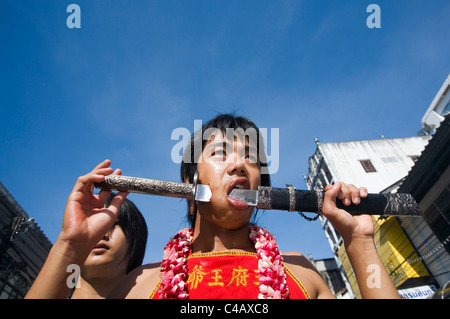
224,165
111,251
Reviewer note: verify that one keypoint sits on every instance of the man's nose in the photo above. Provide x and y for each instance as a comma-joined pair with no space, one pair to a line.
237,167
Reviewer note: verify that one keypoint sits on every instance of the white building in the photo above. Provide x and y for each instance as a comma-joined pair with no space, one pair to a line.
374,164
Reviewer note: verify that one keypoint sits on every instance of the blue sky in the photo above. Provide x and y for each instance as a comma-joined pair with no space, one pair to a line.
137,70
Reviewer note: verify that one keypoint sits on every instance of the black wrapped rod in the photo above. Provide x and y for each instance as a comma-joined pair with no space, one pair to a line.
311,201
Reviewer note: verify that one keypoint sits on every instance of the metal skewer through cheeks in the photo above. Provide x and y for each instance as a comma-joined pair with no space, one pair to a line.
266,197
193,206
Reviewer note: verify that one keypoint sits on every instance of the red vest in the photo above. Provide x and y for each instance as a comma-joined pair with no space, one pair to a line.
229,275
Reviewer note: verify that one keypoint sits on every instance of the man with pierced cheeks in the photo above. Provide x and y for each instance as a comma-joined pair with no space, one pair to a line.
222,259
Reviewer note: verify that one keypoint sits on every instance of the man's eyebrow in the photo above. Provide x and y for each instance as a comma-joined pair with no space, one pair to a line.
224,144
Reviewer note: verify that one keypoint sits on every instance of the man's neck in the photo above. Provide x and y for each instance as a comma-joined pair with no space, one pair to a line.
210,238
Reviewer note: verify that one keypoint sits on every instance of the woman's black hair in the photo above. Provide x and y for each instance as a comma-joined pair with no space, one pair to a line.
135,229
220,122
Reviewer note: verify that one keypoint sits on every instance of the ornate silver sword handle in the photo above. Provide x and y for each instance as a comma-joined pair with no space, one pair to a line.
146,186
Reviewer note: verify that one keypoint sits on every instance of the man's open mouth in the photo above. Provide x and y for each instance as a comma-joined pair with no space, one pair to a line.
238,183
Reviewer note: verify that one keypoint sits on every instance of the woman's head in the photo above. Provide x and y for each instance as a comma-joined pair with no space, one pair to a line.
227,150
134,227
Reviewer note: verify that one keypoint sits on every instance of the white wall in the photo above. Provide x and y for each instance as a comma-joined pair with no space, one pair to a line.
390,157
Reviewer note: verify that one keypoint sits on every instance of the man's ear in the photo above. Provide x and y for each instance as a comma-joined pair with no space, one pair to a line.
191,207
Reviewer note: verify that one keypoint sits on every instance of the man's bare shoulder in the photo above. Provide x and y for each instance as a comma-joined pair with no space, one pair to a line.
296,259
305,271
139,283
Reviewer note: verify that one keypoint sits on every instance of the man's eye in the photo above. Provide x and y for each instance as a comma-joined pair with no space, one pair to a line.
218,153
251,158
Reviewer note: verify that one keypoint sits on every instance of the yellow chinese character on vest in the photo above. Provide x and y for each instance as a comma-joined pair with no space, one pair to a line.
240,276
196,276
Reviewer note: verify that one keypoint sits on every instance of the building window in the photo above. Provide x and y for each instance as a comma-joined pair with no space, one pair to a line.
368,166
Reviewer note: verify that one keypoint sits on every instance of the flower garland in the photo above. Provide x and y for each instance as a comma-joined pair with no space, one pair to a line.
174,268
272,277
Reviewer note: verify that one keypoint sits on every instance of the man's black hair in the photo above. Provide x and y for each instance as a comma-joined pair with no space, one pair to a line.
220,122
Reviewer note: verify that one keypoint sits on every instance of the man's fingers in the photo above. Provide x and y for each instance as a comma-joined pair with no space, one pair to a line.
97,175
117,202
363,192
104,164
85,182
354,194
345,195
331,195
104,193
